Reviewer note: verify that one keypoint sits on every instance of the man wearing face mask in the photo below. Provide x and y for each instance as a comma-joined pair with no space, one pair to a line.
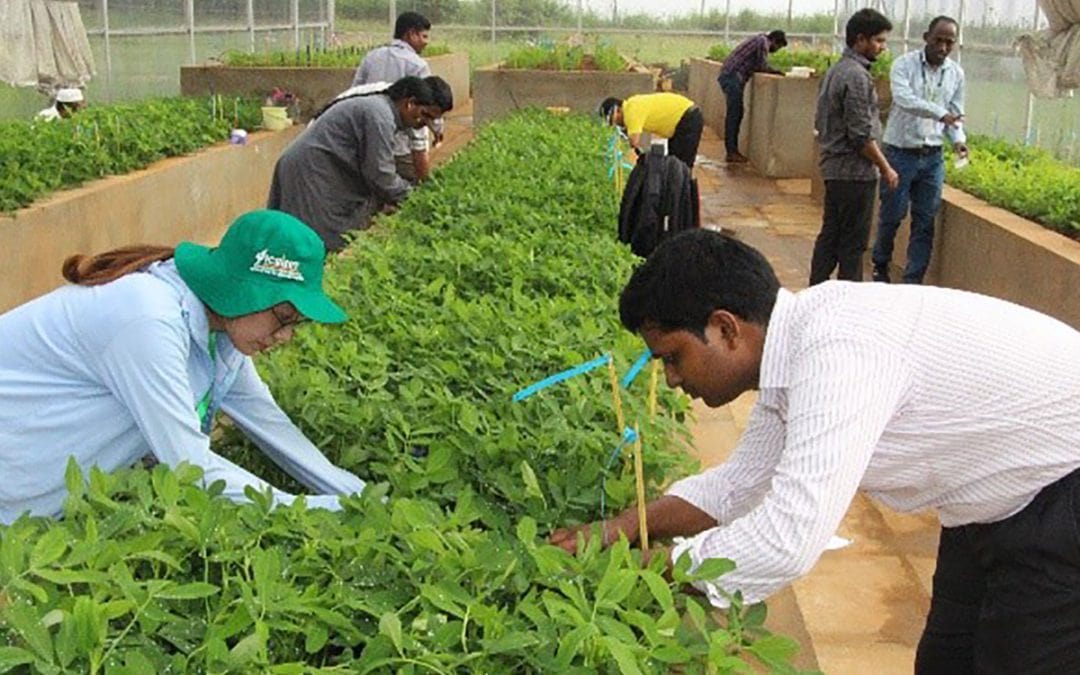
927,111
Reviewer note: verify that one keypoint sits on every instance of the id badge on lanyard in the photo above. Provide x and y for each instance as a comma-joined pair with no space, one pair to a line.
203,409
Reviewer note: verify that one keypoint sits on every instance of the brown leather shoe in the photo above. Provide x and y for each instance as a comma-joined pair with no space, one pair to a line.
736,158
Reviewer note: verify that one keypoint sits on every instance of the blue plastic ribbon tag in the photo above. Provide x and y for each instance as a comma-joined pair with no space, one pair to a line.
636,369
629,436
559,377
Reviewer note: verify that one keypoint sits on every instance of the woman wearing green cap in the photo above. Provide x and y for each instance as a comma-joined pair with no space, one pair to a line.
137,356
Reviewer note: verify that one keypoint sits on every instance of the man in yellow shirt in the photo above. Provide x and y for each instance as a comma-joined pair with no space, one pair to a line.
664,115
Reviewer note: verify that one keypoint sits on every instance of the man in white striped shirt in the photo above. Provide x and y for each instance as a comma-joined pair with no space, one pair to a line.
923,397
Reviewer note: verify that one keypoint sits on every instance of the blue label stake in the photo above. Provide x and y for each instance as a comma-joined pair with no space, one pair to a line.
636,369
559,377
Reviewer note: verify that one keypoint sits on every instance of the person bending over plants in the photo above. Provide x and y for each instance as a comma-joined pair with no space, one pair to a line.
927,398
341,171
664,115
136,356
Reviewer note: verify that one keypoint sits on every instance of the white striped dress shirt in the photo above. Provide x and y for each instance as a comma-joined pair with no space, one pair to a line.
926,398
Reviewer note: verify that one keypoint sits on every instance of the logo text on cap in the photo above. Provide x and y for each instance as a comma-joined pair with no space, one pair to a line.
276,266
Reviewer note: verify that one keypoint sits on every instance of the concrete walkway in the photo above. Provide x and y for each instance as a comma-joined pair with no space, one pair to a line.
861,609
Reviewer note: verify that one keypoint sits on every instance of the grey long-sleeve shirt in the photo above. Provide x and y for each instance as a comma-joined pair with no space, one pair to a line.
338,173
847,117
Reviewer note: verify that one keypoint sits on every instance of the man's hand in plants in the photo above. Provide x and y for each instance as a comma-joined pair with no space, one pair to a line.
626,522
668,516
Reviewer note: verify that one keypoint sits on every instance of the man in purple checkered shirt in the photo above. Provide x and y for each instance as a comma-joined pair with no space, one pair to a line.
751,56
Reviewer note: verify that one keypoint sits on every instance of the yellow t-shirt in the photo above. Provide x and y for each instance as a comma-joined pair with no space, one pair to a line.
658,114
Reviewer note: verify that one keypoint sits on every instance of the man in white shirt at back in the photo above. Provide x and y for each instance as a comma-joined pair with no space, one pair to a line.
390,63
925,398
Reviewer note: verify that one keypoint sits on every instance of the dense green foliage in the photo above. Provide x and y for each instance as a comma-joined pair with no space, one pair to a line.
339,57
501,270
37,157
552,56
1025,180
819,60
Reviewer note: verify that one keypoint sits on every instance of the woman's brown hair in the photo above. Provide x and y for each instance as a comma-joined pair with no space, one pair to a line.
109,266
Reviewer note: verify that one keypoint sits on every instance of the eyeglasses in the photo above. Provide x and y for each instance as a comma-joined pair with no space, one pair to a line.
287,321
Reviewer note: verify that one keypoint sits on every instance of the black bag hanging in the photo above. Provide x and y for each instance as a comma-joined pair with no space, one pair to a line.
660,199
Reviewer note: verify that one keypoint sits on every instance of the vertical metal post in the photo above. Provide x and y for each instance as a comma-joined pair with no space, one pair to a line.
108,43
960,31
579,17
393,16
727,22
294,10
189,15
789,13
907,24
702,8
331,12
250,9
492,21
835,23
1029,115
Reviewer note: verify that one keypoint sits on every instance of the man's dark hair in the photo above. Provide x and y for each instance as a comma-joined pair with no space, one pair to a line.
941,19
408,21
866,21
693,274
778,37
607,108
431,90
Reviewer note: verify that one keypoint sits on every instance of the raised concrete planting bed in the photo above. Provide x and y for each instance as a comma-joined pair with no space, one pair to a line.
313,86
777,132
986,249
498,91
190,198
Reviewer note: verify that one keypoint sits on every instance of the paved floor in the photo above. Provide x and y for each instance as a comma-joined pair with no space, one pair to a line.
861,609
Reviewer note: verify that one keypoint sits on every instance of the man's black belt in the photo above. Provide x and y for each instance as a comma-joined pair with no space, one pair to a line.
919,150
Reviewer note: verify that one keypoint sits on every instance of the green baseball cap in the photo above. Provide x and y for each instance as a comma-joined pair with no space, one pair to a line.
266,257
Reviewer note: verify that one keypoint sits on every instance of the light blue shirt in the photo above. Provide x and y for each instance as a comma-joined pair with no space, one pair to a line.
390,63
921,96
108,374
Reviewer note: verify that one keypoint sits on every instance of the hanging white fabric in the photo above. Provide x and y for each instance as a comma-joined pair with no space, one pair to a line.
1052,57
44,44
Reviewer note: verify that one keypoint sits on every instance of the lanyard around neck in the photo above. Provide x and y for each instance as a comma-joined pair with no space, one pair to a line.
203,408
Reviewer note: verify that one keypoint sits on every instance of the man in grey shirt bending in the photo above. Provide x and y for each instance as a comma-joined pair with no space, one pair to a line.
389,63
340,171
848,123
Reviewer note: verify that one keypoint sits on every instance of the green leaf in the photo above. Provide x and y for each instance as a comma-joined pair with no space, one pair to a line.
526,531
623,655
390,626
315,638
711,569
49,548
26,622
755,615
659,588
191,591
774,650
532,485
510,642
10,657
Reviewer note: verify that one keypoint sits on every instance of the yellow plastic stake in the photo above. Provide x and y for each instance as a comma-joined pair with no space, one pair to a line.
654,382
615,397
639,479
